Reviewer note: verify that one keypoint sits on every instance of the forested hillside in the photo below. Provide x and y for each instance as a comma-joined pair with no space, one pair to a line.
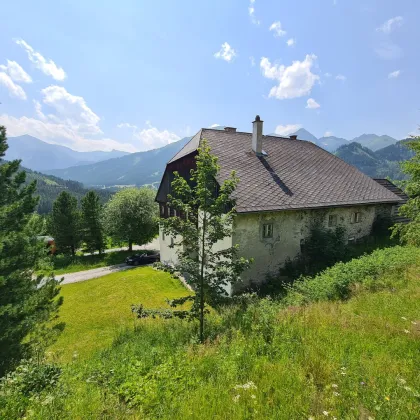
49,187
380,164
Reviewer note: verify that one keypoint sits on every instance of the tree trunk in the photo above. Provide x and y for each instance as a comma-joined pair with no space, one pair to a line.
73,251
202,281
130,245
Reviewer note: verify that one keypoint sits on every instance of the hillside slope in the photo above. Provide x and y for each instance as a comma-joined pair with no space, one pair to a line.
40,156
134,169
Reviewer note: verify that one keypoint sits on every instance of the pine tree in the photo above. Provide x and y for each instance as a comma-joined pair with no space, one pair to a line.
26,303
206,214
92,224
132,215
64,223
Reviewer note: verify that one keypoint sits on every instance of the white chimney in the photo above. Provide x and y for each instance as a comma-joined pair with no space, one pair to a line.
257,135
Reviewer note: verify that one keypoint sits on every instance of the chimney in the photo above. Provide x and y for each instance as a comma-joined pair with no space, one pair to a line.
230,129
293,137
257,135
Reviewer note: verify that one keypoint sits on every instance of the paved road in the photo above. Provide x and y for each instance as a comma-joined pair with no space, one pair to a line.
154,246
92,274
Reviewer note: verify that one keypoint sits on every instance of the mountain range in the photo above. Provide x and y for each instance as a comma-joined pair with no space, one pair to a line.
332,143
41,156
139,168
97,169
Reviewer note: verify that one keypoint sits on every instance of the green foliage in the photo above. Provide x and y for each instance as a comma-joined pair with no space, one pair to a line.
263,359
410,233
92,222
132,215
26,303
64,223
337,282
322,248
206,214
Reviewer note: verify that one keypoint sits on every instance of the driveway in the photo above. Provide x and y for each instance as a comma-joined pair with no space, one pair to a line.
152,246
92,274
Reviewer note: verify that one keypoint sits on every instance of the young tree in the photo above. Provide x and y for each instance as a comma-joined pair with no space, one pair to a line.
409,233
132,215
206,215
64,223
92,223
26,303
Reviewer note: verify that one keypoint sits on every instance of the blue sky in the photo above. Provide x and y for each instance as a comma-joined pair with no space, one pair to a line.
135,75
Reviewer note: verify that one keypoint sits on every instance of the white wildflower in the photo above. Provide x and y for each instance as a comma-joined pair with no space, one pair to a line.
414,322
236,398
407,332
334,386
325,413
404,318
336,394
402,381
253,396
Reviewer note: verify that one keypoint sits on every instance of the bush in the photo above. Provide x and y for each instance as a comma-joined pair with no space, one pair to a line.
336,282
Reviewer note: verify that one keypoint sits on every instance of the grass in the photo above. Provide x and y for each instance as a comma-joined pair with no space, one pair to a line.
95,311
351,358
63,264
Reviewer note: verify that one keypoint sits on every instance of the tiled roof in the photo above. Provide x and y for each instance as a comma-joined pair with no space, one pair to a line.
294,174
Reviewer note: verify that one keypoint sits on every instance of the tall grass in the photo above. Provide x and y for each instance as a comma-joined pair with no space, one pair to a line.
356,358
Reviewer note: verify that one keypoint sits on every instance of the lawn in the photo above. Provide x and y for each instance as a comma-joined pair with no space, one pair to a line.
64,264
95,311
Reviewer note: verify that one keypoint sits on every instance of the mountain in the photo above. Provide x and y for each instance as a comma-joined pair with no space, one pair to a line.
374,142
331,143
40,156
380,164
48,188
133,169
305,135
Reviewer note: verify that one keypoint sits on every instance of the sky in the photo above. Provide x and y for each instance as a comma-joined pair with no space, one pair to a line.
135,75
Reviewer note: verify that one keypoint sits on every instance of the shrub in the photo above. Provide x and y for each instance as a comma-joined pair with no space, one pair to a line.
336,282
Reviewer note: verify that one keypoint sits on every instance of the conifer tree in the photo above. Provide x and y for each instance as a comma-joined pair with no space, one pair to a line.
27,302
92,223
65,223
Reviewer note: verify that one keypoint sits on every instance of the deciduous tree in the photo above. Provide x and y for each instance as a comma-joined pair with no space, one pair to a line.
132,215
409,233
206,214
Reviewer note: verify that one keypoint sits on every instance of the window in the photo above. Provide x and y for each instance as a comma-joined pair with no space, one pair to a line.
162,209
356,217
172,242
268,230
332,220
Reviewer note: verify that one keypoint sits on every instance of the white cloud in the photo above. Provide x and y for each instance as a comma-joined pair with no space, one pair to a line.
276,28
328,134
226,53
59,133
214,125
38,111
127,125
391,24
16,72
14,89
285,130
294,81
388,50
312,104
252,60
47,66
251,11
152,138
341,77
327,74
394,74
291,42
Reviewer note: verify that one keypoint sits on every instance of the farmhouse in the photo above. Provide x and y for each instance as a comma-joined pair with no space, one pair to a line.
285,185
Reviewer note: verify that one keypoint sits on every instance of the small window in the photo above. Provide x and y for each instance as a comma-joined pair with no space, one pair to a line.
351,240
268,230
332,220
162,209
356,217
172,242
175,212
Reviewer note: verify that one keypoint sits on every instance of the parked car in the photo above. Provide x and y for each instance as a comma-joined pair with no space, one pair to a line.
142,259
